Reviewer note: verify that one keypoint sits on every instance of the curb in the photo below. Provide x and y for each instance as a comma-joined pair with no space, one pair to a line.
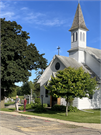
86,125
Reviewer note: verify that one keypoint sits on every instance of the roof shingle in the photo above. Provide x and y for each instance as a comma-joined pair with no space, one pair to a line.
78,20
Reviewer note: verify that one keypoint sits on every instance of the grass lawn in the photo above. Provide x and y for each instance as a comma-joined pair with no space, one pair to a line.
9,103
81,117
7,109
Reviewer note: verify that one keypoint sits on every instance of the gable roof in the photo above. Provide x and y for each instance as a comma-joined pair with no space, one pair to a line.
78,20
95,53
66,61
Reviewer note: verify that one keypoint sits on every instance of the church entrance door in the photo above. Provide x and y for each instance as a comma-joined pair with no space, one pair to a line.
54,101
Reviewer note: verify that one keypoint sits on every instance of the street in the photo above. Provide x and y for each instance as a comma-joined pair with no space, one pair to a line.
22,125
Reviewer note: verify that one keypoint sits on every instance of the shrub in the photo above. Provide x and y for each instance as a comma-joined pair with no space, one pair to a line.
72,109
32,106
40,109
21,107
45,105
36,105
28,106
59,108
37,100
34,95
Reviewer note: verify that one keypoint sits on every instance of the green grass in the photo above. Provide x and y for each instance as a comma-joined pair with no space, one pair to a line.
9,103
81,117
7,109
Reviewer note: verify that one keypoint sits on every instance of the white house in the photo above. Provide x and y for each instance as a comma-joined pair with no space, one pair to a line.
79,55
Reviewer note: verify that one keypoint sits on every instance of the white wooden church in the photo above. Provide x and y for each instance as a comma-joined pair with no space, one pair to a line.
79,55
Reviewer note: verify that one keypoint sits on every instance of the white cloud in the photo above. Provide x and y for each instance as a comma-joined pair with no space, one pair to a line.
44,19
6,11
2,5
27,15
24,8
54,22
7,15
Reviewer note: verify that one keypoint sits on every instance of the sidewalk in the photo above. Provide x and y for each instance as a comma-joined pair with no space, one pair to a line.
86,125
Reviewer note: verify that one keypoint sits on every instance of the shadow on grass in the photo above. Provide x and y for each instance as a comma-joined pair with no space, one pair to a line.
7,109
8,104
48,111
12,109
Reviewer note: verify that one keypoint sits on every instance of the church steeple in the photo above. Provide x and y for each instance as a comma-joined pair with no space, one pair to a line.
78,36
78,20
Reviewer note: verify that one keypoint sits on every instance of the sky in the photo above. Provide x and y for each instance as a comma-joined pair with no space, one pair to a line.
48,22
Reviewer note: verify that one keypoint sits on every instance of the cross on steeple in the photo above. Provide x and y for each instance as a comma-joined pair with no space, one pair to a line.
58,49
78,1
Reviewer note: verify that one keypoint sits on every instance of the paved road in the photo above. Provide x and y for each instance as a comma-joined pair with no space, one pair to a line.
22,125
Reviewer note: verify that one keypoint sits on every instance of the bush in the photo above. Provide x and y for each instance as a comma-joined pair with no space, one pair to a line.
34,95
36,105
32,106
28,106
72,109
40,109
21,107
59,108
37,100
45,105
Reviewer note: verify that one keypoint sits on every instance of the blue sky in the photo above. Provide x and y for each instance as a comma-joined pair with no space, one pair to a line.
48,23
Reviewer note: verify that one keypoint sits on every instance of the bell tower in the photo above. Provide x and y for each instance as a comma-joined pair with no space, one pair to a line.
78,35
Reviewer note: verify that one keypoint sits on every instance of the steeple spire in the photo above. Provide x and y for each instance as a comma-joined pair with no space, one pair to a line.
78,20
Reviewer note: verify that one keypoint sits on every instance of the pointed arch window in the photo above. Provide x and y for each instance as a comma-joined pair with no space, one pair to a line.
76,36
83,36
46,91
80,36
73,37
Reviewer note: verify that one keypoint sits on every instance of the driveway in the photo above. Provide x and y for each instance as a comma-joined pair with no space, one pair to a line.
18,124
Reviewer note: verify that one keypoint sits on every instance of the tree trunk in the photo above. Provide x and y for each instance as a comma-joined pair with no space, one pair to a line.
2,104
67,106
2,99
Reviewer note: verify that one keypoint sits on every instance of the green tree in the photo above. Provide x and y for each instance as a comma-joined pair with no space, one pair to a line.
37,85
18,57
19,91
13,93
70,83
26,88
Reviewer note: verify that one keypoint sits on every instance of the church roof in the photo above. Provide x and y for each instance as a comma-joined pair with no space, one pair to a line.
78,20
92,73
95,53
66,61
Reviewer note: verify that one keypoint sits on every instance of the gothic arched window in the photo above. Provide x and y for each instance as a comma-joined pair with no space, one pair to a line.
81,36
46,91
76,36
73,37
